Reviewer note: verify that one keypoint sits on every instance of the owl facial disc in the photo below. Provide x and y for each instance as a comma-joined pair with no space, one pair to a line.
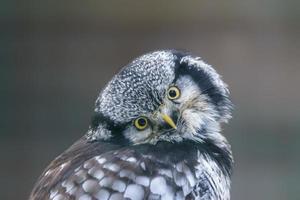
162,96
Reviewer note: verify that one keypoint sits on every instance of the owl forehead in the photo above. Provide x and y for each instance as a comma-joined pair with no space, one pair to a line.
136,90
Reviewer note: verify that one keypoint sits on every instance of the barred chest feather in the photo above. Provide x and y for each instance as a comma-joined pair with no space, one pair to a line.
166,171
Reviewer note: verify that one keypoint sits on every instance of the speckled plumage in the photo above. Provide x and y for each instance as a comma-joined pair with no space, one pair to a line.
128,94
114,160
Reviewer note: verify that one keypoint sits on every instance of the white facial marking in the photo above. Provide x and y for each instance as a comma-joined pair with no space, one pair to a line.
134,192
200,64
158,185
140,87
192,105
137,136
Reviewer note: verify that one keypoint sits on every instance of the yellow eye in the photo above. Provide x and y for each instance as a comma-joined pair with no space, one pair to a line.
141,123
173,93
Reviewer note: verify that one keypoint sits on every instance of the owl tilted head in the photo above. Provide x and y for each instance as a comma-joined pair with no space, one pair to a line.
162,96
155,134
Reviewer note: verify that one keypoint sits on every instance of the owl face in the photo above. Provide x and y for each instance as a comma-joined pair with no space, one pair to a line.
161,96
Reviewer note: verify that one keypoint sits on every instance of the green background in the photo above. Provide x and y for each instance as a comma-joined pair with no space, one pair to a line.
55,56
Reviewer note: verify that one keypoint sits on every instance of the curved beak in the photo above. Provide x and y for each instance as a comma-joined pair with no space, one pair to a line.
168,120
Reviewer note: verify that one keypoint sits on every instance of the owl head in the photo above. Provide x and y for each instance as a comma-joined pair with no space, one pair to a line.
162,96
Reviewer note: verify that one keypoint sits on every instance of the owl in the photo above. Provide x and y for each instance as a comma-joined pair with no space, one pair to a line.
154,134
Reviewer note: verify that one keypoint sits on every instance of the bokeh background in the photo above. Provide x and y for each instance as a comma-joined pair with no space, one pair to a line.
55,56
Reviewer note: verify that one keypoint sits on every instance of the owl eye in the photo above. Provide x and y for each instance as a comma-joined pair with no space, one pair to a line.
141,123
173,93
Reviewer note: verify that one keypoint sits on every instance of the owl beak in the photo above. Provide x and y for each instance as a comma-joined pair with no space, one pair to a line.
168,120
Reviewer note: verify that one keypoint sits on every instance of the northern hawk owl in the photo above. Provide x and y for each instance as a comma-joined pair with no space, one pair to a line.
155,134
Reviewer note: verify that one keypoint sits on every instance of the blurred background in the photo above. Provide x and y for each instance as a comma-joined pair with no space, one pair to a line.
55,56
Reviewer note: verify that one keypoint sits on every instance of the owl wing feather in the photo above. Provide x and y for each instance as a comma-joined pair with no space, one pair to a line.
104,171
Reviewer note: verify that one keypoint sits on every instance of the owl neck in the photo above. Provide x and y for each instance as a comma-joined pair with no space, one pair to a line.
220,152
189,151
216,145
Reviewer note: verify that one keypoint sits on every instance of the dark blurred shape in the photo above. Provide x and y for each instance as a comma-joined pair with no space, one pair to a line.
55,57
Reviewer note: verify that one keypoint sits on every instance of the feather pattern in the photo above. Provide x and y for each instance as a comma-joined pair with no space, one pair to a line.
137,172
116,159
